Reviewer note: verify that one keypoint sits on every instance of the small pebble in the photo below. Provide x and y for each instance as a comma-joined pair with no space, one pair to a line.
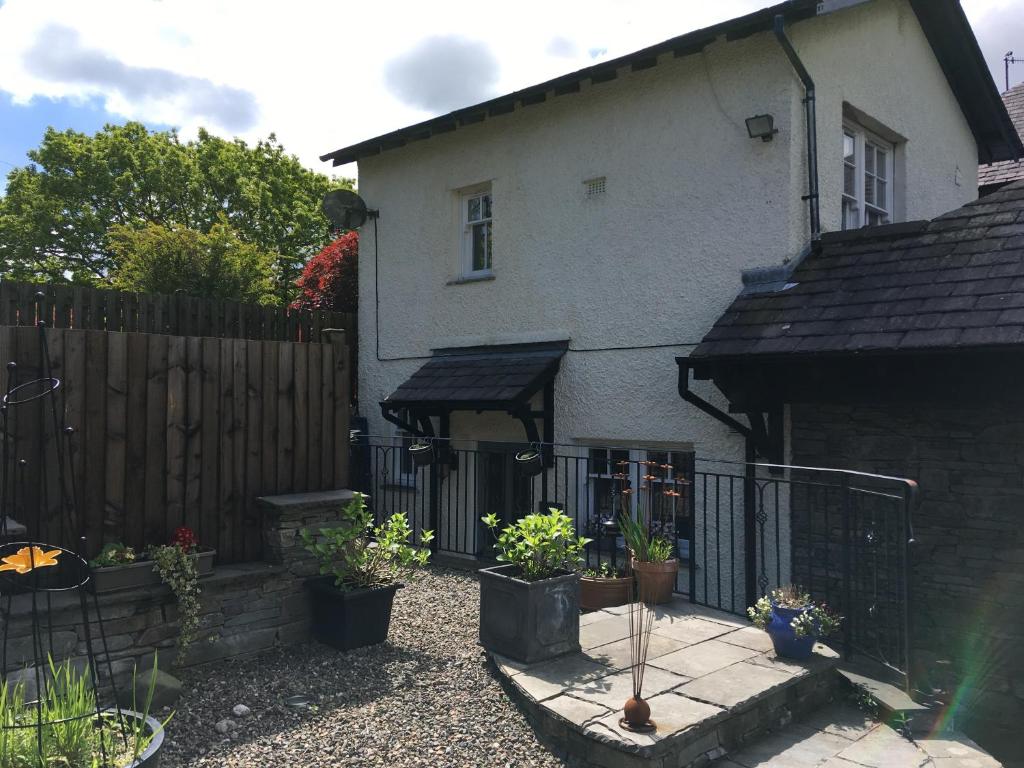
240,710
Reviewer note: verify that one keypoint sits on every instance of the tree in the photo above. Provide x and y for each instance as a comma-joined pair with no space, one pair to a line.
331,278
55,216
215,264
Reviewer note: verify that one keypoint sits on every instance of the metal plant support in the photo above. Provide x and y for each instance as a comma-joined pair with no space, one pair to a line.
36,486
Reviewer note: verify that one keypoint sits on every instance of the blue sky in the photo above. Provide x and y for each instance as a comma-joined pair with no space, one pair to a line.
312,77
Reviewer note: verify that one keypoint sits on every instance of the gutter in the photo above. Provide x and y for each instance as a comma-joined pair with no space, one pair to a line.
700,403
812,196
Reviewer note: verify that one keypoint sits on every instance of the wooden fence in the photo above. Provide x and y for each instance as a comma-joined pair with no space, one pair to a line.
173,430
85,308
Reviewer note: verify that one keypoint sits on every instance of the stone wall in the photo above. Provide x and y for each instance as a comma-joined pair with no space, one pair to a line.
967,584
245,608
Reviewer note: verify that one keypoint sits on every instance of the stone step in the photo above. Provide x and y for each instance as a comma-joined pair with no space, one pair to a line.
712,681
894,705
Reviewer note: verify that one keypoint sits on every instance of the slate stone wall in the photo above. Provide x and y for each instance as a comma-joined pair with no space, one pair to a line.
245,608
967,586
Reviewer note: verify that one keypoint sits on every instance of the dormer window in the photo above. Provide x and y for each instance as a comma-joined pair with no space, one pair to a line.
868,165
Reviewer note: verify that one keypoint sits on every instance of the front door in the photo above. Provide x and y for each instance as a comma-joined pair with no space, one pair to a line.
501,488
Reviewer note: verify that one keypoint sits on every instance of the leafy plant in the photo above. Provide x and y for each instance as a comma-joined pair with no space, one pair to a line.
359,554
177,569
603,571
112,554
72,735
646,547
814,620
538,545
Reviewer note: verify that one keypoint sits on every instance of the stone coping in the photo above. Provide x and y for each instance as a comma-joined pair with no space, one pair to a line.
712,681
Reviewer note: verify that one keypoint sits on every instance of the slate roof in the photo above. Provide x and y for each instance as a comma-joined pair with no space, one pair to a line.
952,283
943,22
489,376
997,174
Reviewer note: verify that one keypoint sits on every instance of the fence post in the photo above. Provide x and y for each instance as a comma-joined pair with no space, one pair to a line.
749,525
341,380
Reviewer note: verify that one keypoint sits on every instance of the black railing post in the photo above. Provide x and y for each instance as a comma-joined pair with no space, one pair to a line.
909,497
749,525
847,566
435,504
691,526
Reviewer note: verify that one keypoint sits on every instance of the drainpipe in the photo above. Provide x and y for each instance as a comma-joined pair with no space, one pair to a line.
810,111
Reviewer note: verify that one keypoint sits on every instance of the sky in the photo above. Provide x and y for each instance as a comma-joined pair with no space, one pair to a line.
322,75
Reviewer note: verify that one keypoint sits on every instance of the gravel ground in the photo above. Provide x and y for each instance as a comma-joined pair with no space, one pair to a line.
426,697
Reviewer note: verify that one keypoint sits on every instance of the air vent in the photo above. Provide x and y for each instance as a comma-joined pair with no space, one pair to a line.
595,187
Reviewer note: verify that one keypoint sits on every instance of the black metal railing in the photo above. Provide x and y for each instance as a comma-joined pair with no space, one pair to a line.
739,529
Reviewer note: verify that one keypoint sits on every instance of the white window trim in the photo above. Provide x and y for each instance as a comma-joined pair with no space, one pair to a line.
466,234
862,137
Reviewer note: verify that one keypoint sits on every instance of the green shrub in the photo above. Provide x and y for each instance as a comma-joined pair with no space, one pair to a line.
360,555
539,545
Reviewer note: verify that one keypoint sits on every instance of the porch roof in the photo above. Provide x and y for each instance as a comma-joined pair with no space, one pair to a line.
946,285
480,378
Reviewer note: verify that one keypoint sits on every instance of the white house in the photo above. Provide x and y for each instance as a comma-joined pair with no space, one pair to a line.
574,238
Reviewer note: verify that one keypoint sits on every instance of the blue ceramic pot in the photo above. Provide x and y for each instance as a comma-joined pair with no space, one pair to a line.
787,644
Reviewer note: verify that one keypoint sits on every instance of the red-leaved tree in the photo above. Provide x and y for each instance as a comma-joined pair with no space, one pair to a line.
330,280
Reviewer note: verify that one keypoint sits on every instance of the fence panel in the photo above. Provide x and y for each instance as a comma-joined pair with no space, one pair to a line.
172,431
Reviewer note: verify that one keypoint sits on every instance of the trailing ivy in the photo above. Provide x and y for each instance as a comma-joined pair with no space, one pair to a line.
177,569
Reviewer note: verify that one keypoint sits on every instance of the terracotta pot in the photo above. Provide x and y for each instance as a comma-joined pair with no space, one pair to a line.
655,582
604,593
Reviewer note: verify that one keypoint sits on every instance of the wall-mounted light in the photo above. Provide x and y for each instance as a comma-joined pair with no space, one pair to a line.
762,127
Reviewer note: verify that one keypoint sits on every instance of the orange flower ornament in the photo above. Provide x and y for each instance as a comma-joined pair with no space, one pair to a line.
25,560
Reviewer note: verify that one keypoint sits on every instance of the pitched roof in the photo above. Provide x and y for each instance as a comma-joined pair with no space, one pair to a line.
485,376
995,175
943,21
952,283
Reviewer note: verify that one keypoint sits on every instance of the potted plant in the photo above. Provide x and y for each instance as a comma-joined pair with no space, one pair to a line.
360,567
64,727
529,607
654,566
175,563
530,462
793,621
422,453
119,567
604,587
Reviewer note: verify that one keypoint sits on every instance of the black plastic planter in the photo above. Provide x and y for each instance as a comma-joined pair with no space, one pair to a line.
150,757
529,621
350,619
530,462
422,454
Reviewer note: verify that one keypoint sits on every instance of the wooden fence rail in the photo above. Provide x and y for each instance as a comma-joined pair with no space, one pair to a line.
173,430
97,309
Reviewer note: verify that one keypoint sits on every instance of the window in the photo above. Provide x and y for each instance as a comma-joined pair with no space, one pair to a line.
476,234
867,179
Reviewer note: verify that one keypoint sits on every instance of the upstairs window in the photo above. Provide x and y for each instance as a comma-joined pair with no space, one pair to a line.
868,163
476,234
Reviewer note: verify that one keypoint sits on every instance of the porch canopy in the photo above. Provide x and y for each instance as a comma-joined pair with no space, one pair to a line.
491,378
913,312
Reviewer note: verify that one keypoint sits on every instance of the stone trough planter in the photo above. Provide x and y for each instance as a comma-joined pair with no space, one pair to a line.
529,620
115,578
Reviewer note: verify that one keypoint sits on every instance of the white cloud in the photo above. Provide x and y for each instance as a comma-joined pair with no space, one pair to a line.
318,70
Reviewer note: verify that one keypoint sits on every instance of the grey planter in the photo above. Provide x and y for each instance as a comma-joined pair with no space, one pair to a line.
150,758
529,621
142,574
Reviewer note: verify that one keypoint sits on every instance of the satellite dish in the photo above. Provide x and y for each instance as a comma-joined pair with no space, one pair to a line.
345,209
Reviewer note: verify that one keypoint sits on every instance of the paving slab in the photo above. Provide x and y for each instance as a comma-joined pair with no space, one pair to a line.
603,632
576,710
616,655
823,658
956,751
884,748
671,714
841,720
735,685
613,690
791,748
750,637
543,681
703,658
690,629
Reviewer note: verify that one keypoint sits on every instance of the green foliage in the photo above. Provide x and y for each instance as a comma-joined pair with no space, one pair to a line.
114,553
359,554
177,569
603,571
214,265
56,213
815,620
70,736
539,545
646,548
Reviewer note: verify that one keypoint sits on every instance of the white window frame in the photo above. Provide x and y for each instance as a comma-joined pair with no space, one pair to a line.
856,209
465,199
